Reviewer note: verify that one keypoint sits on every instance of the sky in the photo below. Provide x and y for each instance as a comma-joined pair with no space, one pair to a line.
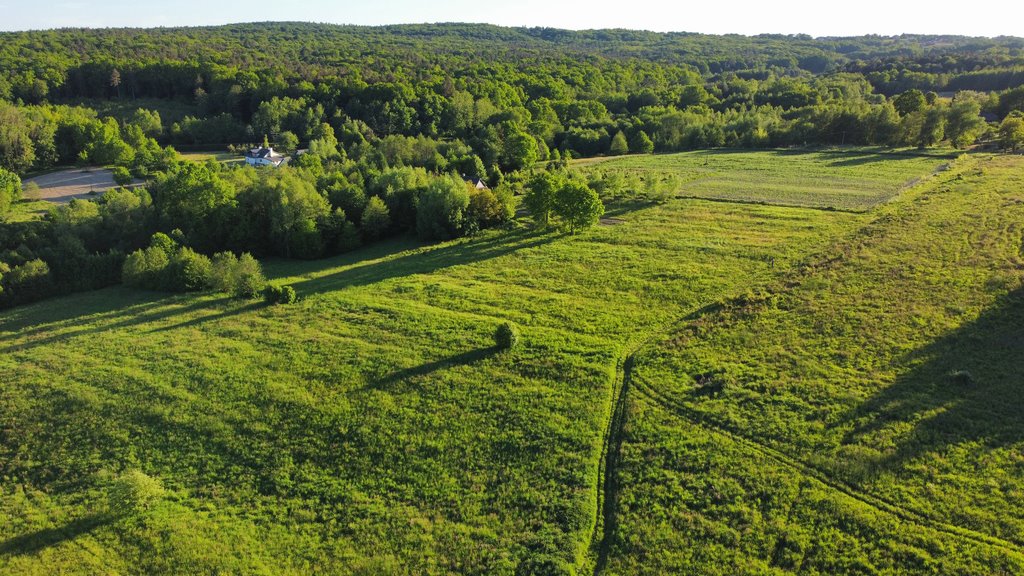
817,18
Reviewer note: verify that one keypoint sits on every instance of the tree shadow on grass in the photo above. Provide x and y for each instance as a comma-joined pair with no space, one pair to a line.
160,308
965,387
462,359
426,260
62,318
199,320
40,539
56,313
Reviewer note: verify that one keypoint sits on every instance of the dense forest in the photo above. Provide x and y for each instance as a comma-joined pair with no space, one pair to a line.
395,119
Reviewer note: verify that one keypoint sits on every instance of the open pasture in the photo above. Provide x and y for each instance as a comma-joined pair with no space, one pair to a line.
372,427
846,179
860,416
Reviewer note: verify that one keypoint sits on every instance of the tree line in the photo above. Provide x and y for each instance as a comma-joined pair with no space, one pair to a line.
397,120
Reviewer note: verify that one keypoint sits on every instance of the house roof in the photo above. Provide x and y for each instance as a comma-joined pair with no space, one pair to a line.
265,153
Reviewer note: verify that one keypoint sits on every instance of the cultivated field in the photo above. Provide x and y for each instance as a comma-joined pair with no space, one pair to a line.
371,428
853,180
65,185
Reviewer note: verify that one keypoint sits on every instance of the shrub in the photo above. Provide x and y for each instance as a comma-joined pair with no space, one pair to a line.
190,271
134,492
962,377
122,176
506,336
221,269
241,277
248,277
26,283
274,294
147,269
486,209
168,266
31,191
288,295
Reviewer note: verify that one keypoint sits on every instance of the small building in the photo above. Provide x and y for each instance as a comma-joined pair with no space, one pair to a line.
479,184
264,156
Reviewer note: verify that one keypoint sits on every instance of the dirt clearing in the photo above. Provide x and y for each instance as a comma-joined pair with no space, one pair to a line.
64,186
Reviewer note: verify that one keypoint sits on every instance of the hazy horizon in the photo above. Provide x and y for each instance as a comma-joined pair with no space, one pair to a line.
871,17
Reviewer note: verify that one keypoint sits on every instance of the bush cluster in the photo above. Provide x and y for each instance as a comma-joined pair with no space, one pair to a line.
167,266
274,294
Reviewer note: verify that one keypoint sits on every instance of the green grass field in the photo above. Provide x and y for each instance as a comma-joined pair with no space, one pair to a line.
372,428
847,179
859,416
221,156
27,209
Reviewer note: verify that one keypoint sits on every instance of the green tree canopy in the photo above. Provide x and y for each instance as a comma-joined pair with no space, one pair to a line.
442,208
539,198
619,145
10,189
577,205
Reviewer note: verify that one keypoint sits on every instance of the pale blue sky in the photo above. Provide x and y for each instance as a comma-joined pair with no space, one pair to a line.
818,18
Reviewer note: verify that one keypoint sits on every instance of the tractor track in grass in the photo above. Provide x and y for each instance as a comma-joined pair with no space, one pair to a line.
904,513
605,524
607,486
608,489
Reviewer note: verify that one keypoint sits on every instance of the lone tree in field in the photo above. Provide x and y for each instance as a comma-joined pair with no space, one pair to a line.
578,206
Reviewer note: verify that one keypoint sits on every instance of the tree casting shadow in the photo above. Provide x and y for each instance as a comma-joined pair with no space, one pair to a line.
464,358
35,541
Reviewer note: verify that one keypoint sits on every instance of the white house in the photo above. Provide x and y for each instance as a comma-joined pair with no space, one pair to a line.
264,157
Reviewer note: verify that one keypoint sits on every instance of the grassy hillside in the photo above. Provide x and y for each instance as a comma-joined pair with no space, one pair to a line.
372,427
860,416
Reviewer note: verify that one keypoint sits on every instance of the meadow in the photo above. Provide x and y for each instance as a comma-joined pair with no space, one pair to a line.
850,180
859,416
373,427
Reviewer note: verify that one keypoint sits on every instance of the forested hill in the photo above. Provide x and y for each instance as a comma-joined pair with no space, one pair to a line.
58,63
